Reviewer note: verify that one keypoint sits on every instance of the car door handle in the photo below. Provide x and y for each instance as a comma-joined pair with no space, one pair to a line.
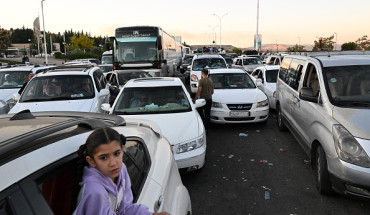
158,207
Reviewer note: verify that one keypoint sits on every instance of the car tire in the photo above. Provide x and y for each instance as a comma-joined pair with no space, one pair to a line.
323,183
279,118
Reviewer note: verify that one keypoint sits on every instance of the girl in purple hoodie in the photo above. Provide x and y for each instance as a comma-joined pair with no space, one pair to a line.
106,185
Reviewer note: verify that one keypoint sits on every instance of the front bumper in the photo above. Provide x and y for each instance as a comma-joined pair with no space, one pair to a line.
222,116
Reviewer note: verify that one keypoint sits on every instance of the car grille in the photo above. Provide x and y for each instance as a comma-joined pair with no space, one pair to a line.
239,106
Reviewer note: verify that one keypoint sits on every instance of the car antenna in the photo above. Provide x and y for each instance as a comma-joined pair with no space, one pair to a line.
24,114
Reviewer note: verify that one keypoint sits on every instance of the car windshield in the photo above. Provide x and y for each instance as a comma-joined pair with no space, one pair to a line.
124,77
106,59
61,87
232,81
106,68
13,79
348,85
210,63
271,75
251,61
152,100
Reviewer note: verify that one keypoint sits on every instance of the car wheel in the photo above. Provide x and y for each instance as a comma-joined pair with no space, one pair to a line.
280,121
323,183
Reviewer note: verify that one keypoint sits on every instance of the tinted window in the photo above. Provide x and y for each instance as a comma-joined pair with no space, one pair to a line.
13,79
251,61
284,67
271,75
137,161
124,77
211,63
294,73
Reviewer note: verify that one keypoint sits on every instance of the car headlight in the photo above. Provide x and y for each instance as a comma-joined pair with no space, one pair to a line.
263,103
191,145
217,104
194,78
348,149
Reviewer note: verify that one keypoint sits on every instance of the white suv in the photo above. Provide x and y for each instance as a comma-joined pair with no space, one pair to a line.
40,169
201,61
65,88
324,100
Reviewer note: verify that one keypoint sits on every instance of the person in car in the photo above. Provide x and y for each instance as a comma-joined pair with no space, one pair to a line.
141,101
9,81
106,185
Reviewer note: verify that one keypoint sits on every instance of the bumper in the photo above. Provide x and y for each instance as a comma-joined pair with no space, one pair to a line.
223,116
349,179
193,159
272,102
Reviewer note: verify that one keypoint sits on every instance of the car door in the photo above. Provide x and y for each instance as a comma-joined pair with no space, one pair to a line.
13,201
283,93
308,115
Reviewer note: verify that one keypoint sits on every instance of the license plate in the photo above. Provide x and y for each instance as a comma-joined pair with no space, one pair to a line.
239,113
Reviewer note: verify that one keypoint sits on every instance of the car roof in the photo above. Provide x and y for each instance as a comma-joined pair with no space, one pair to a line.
154,82
329,59
70,70
19,130
128,71
269,67
200,56
34,68
220,71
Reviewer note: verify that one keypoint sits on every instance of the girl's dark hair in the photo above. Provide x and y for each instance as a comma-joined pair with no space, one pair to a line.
96,138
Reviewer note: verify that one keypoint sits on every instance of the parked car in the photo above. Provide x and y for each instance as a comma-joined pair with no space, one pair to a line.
41,170
166,102
201,61
324,100
118,78
275,59
267,75
247,64
236,98
11,81
186,62
65,88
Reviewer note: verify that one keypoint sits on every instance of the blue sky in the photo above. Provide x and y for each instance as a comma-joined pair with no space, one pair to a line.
282,22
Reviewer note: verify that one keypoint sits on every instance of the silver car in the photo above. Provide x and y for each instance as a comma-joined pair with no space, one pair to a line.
324,100
247,64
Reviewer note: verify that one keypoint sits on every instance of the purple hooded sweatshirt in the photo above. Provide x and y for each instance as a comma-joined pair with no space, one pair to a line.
99,195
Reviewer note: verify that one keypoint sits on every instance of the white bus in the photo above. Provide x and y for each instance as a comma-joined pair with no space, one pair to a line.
145,48
107,57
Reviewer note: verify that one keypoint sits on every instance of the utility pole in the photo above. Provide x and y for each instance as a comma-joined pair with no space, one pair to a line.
43,22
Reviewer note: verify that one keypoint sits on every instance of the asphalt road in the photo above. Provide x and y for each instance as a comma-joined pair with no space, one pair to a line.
256,169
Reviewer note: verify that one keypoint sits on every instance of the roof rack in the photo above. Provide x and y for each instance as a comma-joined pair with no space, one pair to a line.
85,67
330,53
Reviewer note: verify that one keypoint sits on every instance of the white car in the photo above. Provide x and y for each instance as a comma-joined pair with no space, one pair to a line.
247,64
11,81
66,88
236,98
201,61
166,102
41,170
267,75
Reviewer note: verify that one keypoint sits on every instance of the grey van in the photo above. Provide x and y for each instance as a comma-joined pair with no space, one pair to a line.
324,100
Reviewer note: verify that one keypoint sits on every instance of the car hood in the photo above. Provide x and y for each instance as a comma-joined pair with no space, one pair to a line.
6,94
356,121
84,105
238,96
176,127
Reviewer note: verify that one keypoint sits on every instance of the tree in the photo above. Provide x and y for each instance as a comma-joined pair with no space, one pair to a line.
82,42
21,35
324,44
4,39
296,48
349,46
363,42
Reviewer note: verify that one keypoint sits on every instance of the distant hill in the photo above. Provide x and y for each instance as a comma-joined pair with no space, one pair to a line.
271,47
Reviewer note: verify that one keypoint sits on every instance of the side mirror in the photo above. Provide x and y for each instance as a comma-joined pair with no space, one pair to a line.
188,68
104,92
200,103
159,41
105,107
307,94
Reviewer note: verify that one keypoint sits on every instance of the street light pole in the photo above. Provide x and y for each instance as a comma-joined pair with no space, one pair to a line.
43,22
213,32
336,38
220,25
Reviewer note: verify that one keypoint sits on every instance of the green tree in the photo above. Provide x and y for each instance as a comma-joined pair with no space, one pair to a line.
82,42
363,42
21,35
324,44
4,39
349,46
296,48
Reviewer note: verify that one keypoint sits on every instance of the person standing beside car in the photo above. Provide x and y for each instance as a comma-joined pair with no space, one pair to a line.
165,69
205,91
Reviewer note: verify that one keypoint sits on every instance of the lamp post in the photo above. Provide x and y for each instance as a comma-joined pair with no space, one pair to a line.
336,38
220,17
65,49
43,22
213,33
29,41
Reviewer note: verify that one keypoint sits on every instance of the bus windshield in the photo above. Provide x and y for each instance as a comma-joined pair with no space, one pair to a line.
136,50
